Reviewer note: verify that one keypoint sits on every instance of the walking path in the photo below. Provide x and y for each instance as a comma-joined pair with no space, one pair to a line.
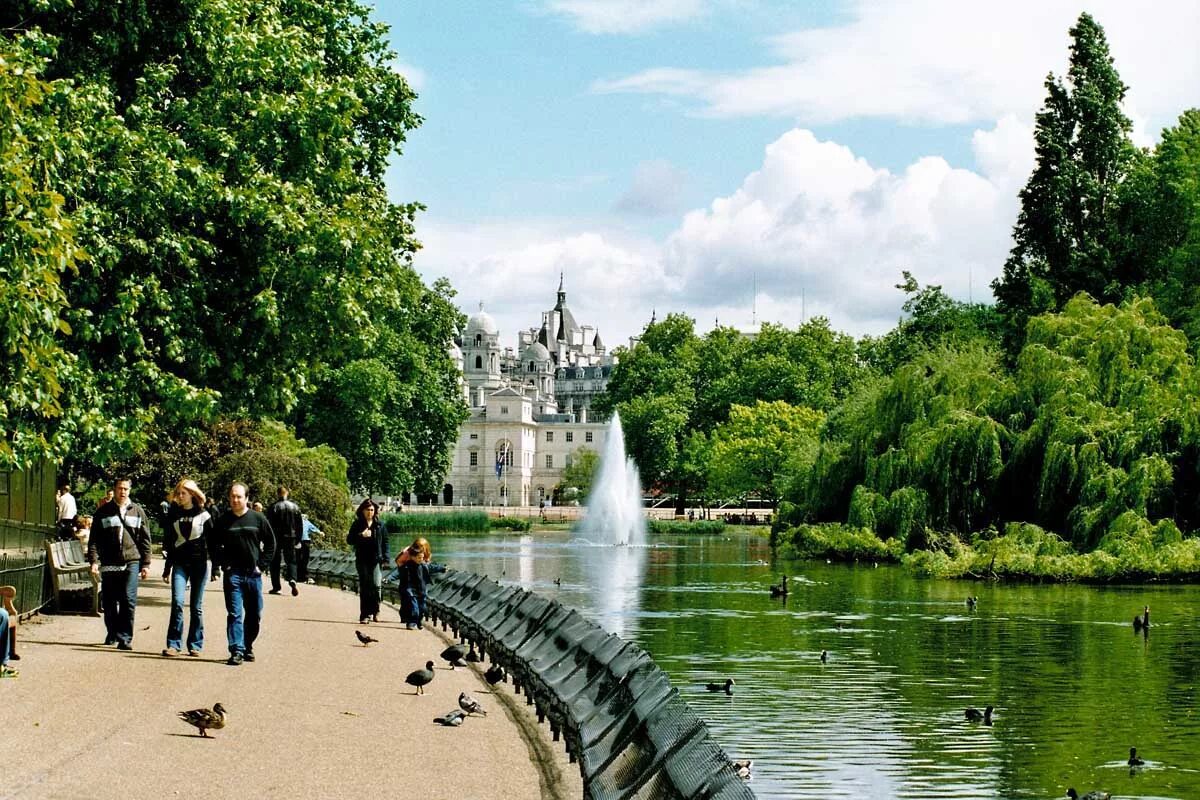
316,715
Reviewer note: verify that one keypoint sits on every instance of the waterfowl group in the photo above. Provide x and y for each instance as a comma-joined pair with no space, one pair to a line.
726,687
975,715
204,719
420,677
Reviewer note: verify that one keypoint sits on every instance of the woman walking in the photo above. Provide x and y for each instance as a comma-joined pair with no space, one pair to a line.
185,555
368,537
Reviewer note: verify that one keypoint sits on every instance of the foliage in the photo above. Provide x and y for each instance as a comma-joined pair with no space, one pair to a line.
510,524
750,453
835,541
440,522
580,473
675,526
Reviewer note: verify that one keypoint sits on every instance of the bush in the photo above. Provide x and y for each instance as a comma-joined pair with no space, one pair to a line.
701,526
510,524
837,541
441,522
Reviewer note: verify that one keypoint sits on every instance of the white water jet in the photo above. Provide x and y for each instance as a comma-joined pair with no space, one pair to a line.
614,507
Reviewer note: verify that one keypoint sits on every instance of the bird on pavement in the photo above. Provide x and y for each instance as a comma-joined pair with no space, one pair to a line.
451,719
472,656
742,768
1097,795
204,719
1134,761
454,654
495,674
470,704
420,677
366,640
975,715
726,687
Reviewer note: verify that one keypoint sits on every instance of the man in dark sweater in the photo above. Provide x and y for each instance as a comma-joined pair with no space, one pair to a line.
119,551
242,547
288,524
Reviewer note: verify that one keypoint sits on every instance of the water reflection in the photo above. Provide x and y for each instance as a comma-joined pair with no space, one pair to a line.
614,576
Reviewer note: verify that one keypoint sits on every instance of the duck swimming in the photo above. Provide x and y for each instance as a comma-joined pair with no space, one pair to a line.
975,715
1142,622
726,687
1097,795
781,590
742,768
971,602
1134,761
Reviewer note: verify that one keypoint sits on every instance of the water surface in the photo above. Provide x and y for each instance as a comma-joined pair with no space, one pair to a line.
1074,687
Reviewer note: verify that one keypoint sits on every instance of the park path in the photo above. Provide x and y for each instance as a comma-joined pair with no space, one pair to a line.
317,715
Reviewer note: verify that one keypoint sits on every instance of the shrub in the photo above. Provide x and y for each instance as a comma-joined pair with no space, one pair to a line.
701,526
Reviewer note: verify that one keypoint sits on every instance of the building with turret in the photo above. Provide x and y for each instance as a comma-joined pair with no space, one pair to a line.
531,407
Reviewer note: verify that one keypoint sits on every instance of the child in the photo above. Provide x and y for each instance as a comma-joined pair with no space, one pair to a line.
413,563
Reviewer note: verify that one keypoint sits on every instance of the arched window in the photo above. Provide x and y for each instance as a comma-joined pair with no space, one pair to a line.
478,362
531,367
478,339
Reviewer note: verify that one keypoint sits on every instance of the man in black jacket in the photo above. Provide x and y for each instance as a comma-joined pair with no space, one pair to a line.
119,551
288,524
242,547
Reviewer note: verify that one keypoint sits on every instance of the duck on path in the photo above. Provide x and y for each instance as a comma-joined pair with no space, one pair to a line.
495,674
1097,795
975,715
420,677
726,687
454,655
204,720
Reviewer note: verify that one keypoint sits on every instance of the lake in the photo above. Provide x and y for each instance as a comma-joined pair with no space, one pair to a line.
1074,687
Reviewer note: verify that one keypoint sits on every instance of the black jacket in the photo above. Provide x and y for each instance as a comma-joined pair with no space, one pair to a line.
371,549
244,542
117,538
285,519
186,533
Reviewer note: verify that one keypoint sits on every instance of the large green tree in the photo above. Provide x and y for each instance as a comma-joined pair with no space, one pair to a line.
1067,239
755,450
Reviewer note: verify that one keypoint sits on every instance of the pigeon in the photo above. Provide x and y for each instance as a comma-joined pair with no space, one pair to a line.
451,719
975,715
726,687
824,656
204,719
1134,761
470,704
1097,795
420,677
742,768
495,674
366,640
454,654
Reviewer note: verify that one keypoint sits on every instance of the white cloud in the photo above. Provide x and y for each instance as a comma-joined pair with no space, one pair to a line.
415,76
625,16
816,229
945,62
657,189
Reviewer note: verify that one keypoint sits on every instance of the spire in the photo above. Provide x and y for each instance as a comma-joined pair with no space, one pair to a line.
562,294
653,315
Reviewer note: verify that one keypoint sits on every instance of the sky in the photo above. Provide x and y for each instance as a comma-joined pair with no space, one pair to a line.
741,161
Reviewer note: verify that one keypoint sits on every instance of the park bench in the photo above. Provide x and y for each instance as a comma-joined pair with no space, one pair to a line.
7,595
70,574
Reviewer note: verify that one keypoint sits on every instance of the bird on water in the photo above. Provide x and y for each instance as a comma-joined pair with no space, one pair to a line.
781,589
1097,795
742,768
1141,622
1134,761
824,656
726,687
975,715
204,719
420,677
972,602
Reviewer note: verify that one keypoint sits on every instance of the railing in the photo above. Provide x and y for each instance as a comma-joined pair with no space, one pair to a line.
631,733
25,570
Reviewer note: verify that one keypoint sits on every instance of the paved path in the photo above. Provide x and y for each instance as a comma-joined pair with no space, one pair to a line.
316,716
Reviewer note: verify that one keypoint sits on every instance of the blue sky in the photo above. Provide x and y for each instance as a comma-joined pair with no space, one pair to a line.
672,154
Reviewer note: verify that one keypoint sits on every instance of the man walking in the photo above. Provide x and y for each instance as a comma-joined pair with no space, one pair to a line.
65,513
288,524
119,551
242,548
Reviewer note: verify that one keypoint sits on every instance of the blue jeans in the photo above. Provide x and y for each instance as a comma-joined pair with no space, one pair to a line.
181,575
244,602
5,637
118,595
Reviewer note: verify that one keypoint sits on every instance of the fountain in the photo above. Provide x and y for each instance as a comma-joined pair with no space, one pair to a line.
614,507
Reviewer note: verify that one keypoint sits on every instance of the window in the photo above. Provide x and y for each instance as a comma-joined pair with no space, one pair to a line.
549,462
478,362
531,367
478,340
476,436
503,409
569,461
570,436
474,458
549,436
587,437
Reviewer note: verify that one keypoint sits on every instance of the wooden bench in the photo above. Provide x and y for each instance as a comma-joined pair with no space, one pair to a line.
70,574
7,595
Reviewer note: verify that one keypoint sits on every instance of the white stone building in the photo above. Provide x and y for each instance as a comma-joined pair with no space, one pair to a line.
530,408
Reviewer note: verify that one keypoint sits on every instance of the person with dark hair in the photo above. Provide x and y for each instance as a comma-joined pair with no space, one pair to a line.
186,532
242,544
119,551
288,524
368,537
65,511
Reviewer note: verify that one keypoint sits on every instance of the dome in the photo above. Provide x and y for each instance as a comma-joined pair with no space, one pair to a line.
536,351
482,322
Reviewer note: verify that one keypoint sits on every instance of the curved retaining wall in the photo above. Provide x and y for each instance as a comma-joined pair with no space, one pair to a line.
631,733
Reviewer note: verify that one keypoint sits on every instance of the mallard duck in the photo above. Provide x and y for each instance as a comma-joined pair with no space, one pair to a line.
1134,761
366,640
452,719
742,768
1097,795
975,715
470,704
1142,622
204,719
726,687
781,590
420,677
495,674
454,656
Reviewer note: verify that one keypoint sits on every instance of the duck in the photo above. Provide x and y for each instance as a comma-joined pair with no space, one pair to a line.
470,704
1142,622
742,768
1134,761
454,655
420,677
558,581
362,637
495,674
972,602
824,656
451,719
472,656
975,715
1096,795
204,719
726,687
781,590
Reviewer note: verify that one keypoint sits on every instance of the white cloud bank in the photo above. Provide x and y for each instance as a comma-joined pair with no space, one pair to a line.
816,228
944,62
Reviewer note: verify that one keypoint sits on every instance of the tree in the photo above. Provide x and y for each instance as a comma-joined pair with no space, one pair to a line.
751,452
1066,238
580,473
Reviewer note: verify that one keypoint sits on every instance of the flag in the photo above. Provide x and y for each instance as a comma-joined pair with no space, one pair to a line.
501,457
